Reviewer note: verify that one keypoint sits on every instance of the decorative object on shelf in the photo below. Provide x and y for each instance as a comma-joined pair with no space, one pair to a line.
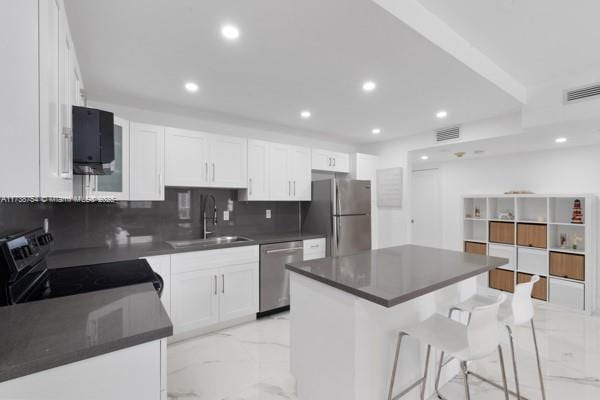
519,192
577,216
506,215
563,240
469,215
540,219
576,239
477,212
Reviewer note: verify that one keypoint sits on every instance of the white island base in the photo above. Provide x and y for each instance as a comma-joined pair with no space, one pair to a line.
342,346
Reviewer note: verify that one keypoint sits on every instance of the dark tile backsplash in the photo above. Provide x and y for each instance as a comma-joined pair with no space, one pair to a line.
87,225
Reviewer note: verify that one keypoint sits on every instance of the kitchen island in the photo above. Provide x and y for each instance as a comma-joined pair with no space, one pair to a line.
346,313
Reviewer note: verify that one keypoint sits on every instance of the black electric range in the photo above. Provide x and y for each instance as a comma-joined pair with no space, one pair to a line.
24,275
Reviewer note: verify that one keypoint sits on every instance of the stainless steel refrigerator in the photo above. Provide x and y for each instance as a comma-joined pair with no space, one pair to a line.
342,209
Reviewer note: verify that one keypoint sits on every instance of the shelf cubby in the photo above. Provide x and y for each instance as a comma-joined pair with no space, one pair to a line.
532,209
561,209
499,205
475,230
473,203
572,233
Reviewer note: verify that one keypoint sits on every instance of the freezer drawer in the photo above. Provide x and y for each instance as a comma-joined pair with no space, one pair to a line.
351,234
498,250
533,261
567,293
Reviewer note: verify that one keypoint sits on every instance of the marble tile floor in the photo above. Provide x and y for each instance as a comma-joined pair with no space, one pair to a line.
251,362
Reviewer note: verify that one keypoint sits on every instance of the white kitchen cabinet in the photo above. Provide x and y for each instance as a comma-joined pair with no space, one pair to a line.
258,171
326,160
186,158
195,299
290,174
19,99
213,286
504,251
147,162
115,184
566,293
314,248
162,266
228,161
239,294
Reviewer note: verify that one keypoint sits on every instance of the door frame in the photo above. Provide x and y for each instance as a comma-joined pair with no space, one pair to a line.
437,206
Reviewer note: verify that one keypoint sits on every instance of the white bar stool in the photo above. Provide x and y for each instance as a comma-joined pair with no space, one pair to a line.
517,312
478,339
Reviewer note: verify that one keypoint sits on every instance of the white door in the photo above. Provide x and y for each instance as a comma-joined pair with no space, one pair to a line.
115,185
321,160
258,170
147,162
186,158
301,173
162,266
341,162
425,205
238,291
280,185
194,299
19,103
228,159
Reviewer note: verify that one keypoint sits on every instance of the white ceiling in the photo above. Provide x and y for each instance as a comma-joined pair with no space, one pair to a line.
533,40
292,55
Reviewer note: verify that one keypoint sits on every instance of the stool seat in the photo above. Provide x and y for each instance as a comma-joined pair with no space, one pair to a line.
478,300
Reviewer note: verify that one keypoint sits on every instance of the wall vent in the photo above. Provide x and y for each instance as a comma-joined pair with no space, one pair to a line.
449,133
581,94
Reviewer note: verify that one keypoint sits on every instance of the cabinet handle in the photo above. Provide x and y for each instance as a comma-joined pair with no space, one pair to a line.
250,185
334,161
329,158
160,184
289,188
294,188
312,246
214,171
206,171
215,285
223,282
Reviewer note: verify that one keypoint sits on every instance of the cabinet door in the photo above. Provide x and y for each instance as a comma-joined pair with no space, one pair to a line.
502,280
186,158
475,248
502,232
162,266
322,160
194,300
115,184
66,65
565,265
539,291
238,291
280,184
147,162
532,235
258,170
19,100
228,162
301,173
341,162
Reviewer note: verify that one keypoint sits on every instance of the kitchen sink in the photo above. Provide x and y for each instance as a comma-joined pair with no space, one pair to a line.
215,241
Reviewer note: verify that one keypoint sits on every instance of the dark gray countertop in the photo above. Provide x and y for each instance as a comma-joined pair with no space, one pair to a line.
394,275
94,255
45,334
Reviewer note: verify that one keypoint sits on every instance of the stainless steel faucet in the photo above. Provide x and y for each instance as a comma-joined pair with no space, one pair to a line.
204,217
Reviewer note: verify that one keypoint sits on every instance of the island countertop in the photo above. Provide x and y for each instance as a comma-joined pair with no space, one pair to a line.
395,275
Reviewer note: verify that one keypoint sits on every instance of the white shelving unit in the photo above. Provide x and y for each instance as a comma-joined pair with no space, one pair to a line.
538,237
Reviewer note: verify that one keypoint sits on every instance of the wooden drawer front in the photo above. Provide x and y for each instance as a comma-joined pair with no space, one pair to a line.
502,280
566,293
475,248
199,260
567,265
532,235
498,250
533,261
502,232
539,289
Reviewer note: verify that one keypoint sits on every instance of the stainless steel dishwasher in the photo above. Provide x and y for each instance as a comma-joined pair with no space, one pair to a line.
274,278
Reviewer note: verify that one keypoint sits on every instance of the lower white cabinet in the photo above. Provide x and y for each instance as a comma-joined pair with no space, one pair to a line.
213,286
314,248
533,261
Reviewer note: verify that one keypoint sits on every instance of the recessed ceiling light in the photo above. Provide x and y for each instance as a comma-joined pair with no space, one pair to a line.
442,114
560,140
305,114
376,131
424,157
369,86
230,32
191,87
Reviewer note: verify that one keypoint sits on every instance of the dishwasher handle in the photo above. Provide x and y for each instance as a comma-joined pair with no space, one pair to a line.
291,249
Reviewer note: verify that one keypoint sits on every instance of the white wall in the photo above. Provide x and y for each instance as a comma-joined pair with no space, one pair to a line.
241,128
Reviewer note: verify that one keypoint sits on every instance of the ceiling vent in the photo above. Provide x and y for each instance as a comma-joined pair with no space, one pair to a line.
584,93
450,133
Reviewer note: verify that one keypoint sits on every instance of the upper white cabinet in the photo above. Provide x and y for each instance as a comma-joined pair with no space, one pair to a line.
290,173
326,160
186,158
228,161
199,159
115,184
147,162
19,99
258,171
